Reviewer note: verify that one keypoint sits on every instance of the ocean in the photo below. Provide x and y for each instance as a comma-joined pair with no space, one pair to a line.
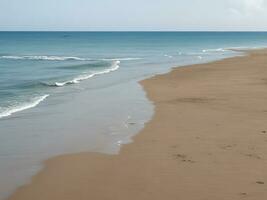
68,92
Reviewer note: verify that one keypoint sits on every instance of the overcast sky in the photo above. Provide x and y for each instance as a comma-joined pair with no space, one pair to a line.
119,15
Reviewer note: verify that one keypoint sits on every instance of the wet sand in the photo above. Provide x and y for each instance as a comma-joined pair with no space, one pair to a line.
206,141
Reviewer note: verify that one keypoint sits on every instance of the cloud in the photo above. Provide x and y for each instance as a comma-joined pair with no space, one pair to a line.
247,8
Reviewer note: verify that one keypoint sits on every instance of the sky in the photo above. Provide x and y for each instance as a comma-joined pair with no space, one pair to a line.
133,15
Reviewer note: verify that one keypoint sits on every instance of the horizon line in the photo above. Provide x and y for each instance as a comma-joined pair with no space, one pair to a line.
237,31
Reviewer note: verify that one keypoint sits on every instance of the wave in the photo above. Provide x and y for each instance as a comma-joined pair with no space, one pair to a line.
243,48
88,65
192,54
80,78
49,58
120,59
60,58
228,49
24,106
207,51
214,50
169,56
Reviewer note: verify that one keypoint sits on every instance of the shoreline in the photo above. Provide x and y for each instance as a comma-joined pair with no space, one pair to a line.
206,140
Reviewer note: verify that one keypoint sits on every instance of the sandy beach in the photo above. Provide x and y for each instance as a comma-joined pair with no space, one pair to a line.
206,141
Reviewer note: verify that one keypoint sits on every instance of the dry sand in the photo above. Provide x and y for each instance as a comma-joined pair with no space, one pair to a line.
206,141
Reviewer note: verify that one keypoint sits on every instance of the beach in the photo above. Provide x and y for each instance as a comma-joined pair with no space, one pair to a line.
207,140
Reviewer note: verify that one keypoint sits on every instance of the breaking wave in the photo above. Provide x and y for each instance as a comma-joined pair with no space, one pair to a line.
80,78
60,58
214,50
49,58
5,112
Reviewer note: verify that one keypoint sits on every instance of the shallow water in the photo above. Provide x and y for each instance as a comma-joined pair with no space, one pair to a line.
69,92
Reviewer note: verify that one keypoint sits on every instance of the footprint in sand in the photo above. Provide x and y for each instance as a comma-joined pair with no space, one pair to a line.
227,147
253,155
183,158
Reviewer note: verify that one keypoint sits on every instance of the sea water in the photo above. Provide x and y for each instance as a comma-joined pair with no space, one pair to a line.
68,92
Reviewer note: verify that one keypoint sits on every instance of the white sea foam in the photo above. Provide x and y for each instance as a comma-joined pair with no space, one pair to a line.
49,58
202,53
61,58
214,50
242,48
169,56
80,78
229,49
5,112
121,59
12,57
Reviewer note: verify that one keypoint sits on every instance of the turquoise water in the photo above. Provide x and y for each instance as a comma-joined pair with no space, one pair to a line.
66,92
31,63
